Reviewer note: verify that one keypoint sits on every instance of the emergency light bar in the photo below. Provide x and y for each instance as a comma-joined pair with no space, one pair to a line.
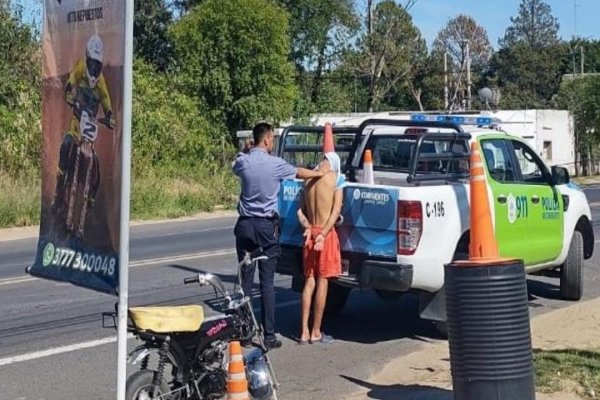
456,119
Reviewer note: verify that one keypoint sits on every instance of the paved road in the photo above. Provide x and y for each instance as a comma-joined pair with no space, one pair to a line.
52,345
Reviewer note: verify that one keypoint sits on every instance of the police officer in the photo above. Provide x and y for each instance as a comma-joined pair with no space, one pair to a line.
261,174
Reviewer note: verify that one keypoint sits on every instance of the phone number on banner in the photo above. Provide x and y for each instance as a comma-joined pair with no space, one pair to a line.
78,261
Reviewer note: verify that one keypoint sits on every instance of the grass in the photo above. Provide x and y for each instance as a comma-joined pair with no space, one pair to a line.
19,200
155,195
557,370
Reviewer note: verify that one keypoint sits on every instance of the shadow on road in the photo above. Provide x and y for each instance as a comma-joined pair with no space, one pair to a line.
366,319
542,289
401,392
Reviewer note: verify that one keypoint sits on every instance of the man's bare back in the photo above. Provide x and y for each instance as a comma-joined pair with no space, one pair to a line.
319,198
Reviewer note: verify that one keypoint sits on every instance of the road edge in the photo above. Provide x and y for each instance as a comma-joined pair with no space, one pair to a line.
28,232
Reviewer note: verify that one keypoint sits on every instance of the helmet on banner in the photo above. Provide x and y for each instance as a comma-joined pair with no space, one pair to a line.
94,54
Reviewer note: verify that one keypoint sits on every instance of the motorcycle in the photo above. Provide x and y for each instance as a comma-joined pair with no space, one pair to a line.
190,355
83,173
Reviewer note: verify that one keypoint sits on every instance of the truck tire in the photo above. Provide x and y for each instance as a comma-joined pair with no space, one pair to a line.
571,272
336,298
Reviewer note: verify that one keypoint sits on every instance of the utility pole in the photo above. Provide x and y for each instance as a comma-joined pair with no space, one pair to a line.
468,77
582,58
445,80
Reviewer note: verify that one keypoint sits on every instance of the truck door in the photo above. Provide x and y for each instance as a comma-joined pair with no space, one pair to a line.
509,199
544,205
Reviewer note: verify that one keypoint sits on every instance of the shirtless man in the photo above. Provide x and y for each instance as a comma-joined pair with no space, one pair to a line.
320,206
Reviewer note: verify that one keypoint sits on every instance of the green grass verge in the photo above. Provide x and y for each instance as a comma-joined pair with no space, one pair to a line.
19,200
557,369
154,195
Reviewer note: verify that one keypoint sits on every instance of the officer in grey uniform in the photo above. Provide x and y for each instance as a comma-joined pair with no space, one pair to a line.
261,174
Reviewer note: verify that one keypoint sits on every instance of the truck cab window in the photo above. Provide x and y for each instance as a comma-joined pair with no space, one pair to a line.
532,168
498,160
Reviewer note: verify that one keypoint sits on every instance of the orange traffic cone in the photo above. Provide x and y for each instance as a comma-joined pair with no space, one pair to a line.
237,385
368,168
483,246
328,145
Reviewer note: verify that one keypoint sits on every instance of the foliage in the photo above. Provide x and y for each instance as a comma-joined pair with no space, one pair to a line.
529,64
534,25
20,90
388,56
151,25
320,32
581,96
233,56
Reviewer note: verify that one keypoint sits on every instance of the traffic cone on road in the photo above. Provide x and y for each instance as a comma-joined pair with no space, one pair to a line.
328,144
483,246
368,168
237,385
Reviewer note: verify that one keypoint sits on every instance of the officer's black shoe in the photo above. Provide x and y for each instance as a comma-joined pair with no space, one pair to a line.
273,343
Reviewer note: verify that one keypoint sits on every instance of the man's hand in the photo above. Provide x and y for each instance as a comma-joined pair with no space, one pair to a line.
307,236
319,242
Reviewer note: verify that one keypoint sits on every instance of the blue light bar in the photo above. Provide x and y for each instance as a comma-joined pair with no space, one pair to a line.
456,119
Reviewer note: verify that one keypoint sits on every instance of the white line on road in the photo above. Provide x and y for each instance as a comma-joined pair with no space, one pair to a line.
137,264
87,345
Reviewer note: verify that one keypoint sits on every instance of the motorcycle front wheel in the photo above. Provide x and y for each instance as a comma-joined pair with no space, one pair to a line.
139,387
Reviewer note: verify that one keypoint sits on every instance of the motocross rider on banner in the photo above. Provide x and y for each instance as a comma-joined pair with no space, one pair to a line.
85,90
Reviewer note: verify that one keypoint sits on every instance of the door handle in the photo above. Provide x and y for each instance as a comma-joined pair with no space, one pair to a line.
501,199
535,199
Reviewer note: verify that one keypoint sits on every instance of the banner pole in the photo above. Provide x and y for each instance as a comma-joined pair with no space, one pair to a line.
125,194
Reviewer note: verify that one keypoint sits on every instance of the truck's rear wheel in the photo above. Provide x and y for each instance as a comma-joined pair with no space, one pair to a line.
336,298
571,272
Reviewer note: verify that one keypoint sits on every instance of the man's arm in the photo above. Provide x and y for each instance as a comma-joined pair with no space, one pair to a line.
304,173
336,209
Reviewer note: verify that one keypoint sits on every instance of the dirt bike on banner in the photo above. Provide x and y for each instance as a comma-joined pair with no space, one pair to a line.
81,179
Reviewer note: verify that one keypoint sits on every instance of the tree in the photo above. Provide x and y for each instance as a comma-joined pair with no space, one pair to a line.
151,26
534,25
529,64
320,31
389,54
467,45
233,56
581,96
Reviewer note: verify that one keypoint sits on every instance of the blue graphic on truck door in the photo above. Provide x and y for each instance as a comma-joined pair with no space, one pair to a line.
369,219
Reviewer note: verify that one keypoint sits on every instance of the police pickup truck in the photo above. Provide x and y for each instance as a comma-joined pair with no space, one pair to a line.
397,234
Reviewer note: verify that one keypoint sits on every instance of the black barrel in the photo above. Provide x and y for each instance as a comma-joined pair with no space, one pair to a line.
488,331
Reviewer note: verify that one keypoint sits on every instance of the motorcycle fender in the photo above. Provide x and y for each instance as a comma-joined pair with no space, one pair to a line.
141,352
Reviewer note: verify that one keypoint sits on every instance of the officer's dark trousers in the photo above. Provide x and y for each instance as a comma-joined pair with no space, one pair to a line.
251,233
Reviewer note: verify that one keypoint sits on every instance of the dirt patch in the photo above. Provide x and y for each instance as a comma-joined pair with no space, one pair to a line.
425,375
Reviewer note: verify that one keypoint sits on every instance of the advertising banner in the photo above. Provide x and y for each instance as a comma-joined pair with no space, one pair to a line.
83,74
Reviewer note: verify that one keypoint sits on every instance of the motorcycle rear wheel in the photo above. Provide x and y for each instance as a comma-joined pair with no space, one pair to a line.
139,386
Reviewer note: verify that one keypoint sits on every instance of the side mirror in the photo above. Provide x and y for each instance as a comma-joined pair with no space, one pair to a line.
560,176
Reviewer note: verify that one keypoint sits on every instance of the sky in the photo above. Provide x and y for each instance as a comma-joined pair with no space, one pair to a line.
494,15
431,15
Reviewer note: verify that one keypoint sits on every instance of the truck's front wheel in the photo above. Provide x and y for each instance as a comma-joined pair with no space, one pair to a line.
336,298
571,274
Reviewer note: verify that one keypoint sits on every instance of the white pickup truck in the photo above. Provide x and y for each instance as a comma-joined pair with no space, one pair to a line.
397,235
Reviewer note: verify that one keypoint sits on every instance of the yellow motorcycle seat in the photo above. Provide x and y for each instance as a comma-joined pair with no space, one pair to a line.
168,319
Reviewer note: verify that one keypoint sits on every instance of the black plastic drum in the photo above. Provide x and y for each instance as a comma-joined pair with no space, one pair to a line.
488,331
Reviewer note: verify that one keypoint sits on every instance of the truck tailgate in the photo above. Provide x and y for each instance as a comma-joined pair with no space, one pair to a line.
368,224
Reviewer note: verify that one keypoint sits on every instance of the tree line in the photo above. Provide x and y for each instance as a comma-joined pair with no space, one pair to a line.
226,64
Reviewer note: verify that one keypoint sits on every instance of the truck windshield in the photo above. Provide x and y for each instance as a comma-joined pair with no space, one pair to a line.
395,153
304,149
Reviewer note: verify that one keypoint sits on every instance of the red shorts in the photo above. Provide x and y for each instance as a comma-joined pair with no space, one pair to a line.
326,263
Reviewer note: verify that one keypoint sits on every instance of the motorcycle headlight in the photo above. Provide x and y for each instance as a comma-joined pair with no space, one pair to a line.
259,382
